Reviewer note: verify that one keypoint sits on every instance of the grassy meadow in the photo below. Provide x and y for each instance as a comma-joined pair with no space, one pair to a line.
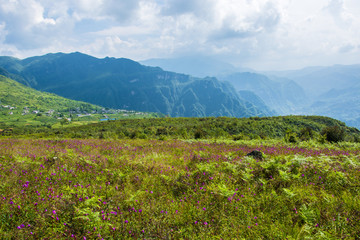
178,189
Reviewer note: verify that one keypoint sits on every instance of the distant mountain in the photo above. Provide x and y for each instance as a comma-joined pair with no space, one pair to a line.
285,97
334,91
343,104
123,83
257,101
319,80
199,66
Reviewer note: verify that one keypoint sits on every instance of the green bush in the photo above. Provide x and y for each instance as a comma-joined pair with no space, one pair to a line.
199,133
333,134
306,134
290,136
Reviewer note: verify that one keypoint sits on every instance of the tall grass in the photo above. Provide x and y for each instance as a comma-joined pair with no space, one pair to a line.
149,189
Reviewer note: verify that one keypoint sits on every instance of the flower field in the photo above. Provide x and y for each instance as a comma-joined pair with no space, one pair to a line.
152,189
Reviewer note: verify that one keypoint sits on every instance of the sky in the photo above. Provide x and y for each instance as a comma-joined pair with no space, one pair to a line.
260,34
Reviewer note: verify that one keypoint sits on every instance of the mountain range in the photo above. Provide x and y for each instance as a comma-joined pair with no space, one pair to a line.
125,84
285,97
331,91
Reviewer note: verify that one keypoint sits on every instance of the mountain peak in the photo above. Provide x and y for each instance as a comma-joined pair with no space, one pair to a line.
125,84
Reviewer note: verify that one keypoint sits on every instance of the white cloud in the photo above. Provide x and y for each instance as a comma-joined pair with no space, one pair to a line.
257,33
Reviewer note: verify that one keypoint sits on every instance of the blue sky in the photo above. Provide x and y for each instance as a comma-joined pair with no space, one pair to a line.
261,34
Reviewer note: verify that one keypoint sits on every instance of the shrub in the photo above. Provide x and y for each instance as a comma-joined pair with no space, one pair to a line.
290,136
199,133
306,134
333,134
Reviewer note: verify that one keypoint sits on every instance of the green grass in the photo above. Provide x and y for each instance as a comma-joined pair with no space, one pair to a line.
293,129
151,189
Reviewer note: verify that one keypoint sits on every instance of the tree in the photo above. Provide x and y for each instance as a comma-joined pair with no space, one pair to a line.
64,121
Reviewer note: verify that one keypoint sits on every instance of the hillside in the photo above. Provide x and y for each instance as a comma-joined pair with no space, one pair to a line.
12,93
21,105
125,84
299,128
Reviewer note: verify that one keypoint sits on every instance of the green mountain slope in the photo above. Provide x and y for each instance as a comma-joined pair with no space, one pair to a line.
21,105
13,93
125,84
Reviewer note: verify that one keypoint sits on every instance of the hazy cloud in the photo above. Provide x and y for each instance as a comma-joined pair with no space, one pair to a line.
179,7
122,11
257,33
